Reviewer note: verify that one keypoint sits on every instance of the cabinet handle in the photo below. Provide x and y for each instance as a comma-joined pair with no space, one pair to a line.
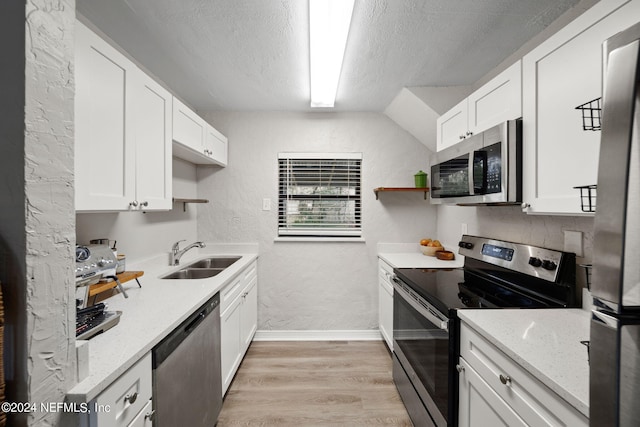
131,398
460,369
469,133
505,380
461,136
525,205
150,415
144,204
134,203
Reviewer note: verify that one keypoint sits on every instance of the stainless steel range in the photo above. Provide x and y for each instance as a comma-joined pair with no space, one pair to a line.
496,274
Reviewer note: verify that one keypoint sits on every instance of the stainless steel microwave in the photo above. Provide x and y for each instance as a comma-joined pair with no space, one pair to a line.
484,169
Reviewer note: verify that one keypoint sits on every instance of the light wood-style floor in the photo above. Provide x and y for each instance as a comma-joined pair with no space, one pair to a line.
330,383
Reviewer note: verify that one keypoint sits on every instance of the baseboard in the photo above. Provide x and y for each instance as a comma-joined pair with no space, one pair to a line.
317,335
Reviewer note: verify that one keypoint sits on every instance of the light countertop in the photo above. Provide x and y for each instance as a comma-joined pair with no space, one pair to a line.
546,342
408,255
152,312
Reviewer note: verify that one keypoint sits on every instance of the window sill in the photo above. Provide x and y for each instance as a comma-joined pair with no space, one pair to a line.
293,239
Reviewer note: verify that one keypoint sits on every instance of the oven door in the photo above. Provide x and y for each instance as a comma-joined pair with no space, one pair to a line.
421,345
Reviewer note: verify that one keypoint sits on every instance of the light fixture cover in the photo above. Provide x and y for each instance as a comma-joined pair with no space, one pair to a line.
329,22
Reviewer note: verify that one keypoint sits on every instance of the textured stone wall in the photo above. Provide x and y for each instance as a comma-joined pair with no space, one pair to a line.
38,221
309,285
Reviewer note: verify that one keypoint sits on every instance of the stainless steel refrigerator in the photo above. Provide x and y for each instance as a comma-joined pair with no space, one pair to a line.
615,325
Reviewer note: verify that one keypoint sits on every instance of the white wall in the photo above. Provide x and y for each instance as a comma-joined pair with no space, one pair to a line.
36,189
317,285
510,223
140,235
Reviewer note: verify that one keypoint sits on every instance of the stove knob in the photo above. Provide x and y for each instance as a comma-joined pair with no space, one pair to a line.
101,263
549,265
536,262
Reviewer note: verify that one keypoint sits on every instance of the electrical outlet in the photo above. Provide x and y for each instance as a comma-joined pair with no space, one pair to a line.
573,242
266,204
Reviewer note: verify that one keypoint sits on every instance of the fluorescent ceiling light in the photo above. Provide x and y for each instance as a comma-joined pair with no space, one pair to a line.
329,22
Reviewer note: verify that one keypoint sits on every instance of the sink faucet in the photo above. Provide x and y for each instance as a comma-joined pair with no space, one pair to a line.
176,253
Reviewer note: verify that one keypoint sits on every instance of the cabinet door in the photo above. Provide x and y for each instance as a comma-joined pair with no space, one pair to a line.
230,354
104,138
188,127
153,145
249,319
479,405
385,303
452,126
497,101
563,72
216,146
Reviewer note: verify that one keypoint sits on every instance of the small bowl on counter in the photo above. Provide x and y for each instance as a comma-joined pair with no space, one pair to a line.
445,255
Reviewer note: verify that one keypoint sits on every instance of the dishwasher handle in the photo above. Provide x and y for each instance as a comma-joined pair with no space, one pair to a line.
195,322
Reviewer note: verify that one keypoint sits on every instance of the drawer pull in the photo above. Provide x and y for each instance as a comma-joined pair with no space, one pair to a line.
131,398
150,415
460,368
505,380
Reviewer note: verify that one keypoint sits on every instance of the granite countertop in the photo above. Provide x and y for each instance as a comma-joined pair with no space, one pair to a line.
546,342
151,313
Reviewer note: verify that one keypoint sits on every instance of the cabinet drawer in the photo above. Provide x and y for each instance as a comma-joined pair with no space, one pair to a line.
144,417
385,272
230,293
249,273
126,397
534,402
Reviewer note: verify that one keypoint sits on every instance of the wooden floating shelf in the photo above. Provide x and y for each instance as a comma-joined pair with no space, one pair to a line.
185,201
424,190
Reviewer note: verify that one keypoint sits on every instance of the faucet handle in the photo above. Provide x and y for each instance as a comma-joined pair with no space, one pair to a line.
176,245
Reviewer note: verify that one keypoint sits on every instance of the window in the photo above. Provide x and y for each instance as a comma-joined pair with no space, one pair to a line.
319,194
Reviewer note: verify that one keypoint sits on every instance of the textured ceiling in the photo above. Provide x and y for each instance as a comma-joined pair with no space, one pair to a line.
253,54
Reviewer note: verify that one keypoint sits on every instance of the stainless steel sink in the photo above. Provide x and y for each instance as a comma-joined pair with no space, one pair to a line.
214,262
203,269
194,273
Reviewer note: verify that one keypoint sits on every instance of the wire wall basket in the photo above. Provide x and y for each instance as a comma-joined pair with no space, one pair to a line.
587,271
591,114
587,197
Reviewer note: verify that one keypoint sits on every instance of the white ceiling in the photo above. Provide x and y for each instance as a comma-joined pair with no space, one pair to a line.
253,54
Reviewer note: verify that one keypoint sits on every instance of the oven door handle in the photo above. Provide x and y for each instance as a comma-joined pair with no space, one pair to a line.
426,312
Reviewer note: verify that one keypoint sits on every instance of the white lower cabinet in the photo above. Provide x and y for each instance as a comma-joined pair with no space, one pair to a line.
126,402
238,321
144,417
385,302
494,390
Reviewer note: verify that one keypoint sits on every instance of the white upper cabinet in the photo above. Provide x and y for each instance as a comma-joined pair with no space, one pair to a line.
188,127
153,145
453,126
122,131
497,101
216,146
562,73
103,132
194,139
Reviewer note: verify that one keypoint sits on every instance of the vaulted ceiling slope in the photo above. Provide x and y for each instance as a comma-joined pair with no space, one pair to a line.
250,55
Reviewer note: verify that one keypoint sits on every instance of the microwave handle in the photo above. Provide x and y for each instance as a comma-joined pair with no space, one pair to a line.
472,156
482,155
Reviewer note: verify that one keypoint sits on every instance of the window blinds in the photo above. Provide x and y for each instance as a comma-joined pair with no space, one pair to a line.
319,194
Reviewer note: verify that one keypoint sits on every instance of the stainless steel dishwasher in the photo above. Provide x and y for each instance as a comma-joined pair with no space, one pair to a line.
187,385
